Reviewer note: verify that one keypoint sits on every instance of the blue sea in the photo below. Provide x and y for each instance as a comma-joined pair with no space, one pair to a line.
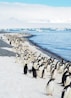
58,42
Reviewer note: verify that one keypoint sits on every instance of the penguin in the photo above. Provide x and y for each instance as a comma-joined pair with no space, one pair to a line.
63,77
30,65
67,80
50,87
54,72
10,42
61,68
44,73
66,93
69,68
66,69
48,67
40,71
34,73
25,69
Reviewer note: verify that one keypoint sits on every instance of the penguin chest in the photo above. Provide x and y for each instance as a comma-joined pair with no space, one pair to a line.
39,72
68,93
45,73
50,88
35,65
48,68
67,82
30,66
70,69
40,62
54,74
61,69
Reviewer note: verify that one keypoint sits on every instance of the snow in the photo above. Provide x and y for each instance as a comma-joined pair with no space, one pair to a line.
14,84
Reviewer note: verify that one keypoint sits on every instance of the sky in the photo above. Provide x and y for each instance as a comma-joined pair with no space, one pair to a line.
64,3
14,13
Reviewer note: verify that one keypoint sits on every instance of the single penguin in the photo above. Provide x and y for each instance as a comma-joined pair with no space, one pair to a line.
34,72
67,80
49,67
50,87
40,71
63,77
69,68
61,68
54,72
10,42
44,73
25,69
66,93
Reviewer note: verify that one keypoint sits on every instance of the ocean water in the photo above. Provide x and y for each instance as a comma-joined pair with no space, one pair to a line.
58,42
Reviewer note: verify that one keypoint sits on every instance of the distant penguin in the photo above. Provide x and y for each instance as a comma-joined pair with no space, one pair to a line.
63,77
34,72
30,66
66,92
67,80
61,68
50,87
70,69
10,42
25,69
48,67
54,72
40,71
44,73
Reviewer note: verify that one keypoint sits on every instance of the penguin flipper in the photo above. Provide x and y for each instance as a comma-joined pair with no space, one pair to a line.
62,96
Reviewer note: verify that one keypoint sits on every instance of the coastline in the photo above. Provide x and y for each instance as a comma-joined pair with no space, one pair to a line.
40,48
47,51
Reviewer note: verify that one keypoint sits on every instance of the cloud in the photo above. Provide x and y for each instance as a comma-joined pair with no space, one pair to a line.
20,14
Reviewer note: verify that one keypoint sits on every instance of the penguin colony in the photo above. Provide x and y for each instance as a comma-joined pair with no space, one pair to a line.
37,65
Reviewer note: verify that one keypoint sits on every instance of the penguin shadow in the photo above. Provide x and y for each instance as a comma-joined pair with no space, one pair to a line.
44,94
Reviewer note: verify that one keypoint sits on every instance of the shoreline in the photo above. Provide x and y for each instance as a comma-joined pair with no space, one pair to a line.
46,51
38,47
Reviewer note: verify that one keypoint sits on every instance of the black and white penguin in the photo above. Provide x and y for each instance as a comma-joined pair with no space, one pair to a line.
54,72
25,69
67,80
66,91
63,77
69,68
50,87
44,73
61,66
40,71
34,72
49,67
10,42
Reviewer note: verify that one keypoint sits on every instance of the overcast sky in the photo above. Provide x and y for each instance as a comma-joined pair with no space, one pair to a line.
16,13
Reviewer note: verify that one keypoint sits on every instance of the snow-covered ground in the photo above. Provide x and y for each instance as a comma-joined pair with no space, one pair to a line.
14,84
